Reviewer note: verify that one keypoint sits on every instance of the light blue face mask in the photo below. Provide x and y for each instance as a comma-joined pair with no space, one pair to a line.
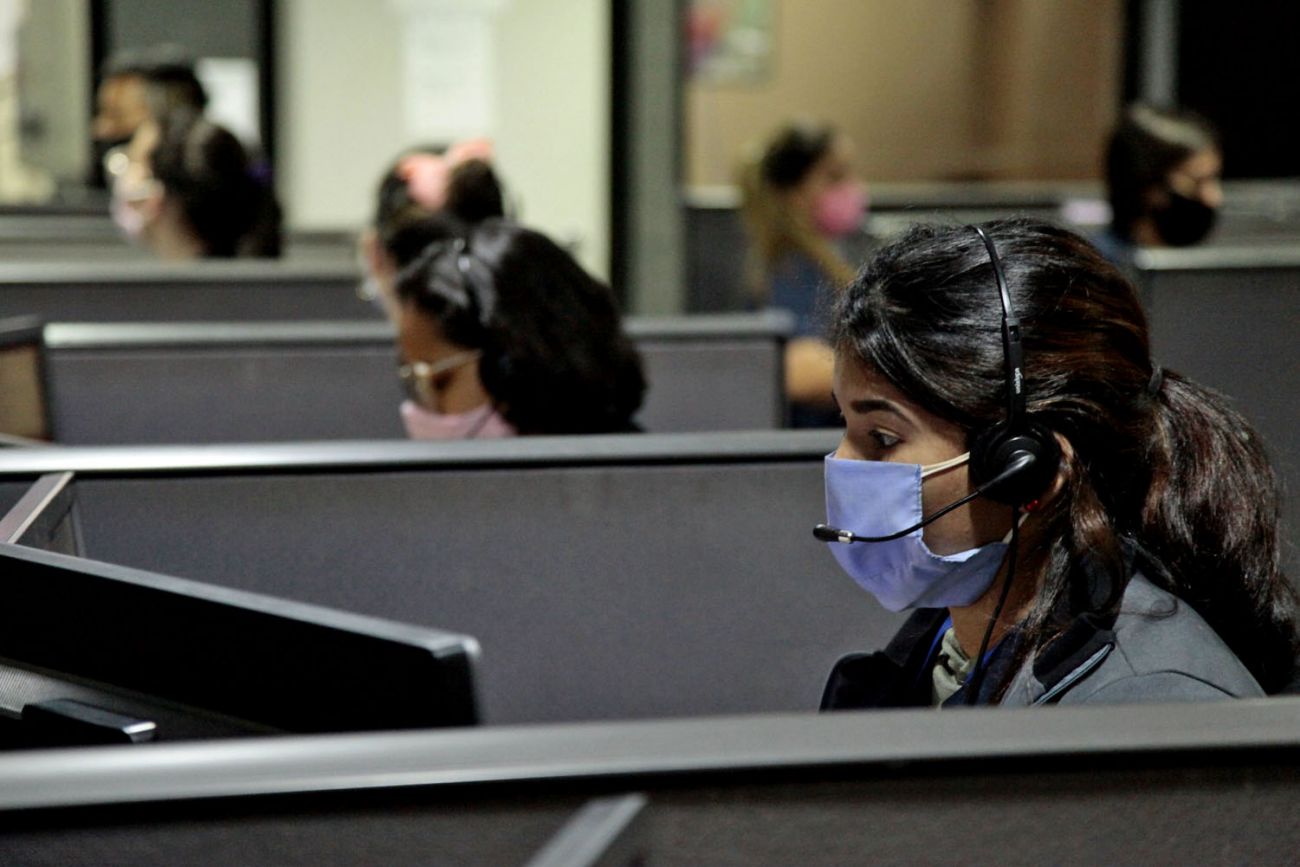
876,498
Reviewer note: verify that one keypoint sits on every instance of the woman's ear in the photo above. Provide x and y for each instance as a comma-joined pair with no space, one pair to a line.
1062,472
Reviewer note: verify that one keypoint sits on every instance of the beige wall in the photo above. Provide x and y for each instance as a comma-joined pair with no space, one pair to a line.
341,113
929,89
54,83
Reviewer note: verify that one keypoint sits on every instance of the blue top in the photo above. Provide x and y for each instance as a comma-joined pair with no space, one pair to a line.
799,286
796,284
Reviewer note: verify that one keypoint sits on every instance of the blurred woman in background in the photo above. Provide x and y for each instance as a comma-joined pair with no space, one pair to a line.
799,195
501,332
1163,172
458,181
184,188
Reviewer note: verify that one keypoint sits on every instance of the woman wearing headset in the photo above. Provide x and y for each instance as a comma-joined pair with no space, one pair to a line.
1123,544
457,182
502,332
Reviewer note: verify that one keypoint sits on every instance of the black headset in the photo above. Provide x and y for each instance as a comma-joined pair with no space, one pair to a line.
996,450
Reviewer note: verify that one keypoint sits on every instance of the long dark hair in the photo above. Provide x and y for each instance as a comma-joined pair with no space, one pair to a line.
1158,464
204,168
1146,145
554,356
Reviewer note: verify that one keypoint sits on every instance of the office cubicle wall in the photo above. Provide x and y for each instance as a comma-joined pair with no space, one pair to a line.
11,491
716,247
88,234
44,517
605,577
209,291
1227,317
1211,783
1259,213
215,382
254,382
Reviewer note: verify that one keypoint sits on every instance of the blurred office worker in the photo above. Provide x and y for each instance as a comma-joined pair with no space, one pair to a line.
1163,178
799,195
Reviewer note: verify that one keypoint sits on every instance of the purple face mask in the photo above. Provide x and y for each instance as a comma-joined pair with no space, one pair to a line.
839,211
877,498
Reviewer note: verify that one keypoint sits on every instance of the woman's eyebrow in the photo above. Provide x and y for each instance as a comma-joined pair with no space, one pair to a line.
872,404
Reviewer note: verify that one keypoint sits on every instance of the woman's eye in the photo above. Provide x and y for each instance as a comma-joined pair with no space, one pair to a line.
884,439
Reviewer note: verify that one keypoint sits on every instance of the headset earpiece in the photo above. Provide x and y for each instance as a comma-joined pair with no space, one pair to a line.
996,448
999,447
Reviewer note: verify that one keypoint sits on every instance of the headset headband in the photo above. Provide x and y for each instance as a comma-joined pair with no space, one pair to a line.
1011,348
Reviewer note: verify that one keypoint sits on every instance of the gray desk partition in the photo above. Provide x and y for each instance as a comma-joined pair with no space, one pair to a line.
256,382
242,290
1211,783
89,235
716,245
1228,317
10,493
605,577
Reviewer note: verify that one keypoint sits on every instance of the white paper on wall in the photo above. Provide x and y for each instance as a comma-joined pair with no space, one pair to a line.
449,68
12,13
233,101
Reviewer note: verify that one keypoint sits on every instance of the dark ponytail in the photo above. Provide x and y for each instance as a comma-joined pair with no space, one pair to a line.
1156,468
1211,519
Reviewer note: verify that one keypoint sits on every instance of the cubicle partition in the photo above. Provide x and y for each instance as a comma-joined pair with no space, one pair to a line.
209,291
1227,317
11,491
1211,783
604,577
716,246
86,233
1261,213
262,381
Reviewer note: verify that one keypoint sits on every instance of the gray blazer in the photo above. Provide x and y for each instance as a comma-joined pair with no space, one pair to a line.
1155,649
1161,651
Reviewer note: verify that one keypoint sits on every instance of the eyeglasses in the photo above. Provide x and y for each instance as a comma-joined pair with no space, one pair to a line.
418,377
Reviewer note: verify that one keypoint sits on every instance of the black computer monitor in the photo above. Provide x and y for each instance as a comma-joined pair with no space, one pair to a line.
92,653
24,408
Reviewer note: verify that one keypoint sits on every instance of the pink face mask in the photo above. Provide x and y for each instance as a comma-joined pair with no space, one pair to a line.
839,210
127,207
482,422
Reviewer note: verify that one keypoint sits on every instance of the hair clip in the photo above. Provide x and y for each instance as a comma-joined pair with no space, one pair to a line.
426,176
470,149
